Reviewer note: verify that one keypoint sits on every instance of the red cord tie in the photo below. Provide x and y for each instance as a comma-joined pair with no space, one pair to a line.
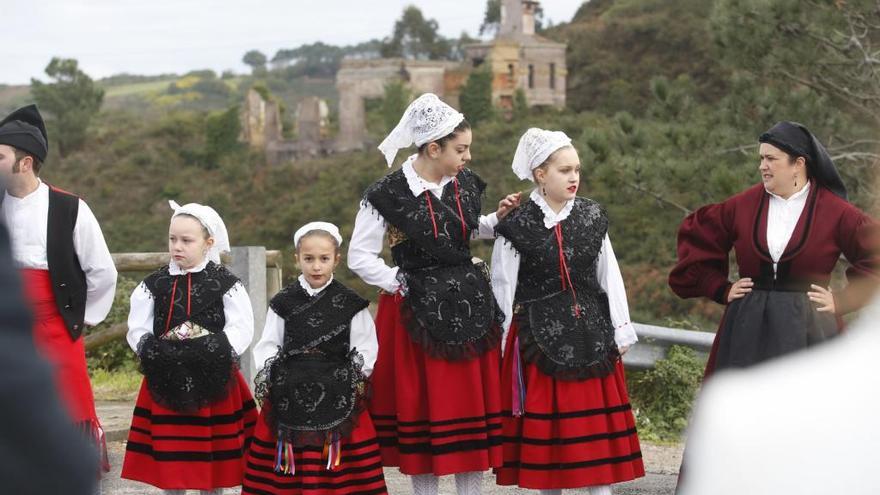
460,211
188,300
564,273
431,212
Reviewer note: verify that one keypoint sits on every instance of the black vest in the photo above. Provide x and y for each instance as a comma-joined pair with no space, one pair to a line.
567,337
205,300
319,323
411,217
68,279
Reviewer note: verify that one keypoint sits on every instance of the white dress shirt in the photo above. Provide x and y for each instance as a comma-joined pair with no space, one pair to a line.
237,310
27,219
368,237
782,218
362,336
505,274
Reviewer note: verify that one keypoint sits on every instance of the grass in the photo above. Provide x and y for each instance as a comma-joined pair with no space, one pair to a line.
115,385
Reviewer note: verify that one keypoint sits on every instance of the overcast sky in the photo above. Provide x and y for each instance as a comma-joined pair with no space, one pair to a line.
157,36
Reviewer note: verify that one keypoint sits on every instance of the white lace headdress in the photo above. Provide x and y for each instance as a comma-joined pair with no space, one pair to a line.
535,146
426,119
210,219
325,226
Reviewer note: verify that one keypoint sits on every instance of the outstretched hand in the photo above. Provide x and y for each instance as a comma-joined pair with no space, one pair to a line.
507,204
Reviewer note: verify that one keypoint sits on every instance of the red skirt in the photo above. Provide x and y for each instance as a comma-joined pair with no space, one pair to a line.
358,473
572,433
203,450
66,356
433,416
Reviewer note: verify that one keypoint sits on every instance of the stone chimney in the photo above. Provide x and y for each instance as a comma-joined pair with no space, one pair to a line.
510,17
518,17
529,9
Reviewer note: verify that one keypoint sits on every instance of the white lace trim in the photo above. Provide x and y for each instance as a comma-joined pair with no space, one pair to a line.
175,269
418,185
308,288
551,218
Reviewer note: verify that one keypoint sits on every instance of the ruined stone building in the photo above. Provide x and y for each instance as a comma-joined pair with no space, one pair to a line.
518,58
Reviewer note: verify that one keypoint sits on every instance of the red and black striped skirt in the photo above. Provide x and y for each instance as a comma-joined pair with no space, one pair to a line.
572,434
359,471
203,450
433,416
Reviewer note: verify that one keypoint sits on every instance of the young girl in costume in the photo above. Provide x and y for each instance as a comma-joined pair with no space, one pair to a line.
567,417
189,322
315,435
436,401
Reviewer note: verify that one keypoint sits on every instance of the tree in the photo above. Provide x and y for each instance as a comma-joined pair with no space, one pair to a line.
416,38
397,97
256,61
491,18
70,102
476,97
829,47
222,129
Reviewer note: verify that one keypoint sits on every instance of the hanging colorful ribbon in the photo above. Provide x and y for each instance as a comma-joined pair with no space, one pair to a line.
284,461
519,384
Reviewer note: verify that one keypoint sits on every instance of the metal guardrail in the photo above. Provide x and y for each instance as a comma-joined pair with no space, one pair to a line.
654,342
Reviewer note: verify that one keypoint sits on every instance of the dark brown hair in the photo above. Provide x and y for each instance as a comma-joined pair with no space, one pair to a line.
21,155
463,126
321,233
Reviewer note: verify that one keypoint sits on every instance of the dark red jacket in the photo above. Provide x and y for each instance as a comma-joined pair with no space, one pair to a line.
828,227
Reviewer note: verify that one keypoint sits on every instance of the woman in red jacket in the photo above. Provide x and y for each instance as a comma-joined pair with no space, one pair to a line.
788,234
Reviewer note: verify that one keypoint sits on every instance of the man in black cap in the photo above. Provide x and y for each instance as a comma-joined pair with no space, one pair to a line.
57,245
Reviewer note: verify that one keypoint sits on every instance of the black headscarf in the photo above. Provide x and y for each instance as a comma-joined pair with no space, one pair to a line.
24,129
797,140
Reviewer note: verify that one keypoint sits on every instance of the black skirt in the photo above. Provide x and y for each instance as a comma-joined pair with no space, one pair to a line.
769,323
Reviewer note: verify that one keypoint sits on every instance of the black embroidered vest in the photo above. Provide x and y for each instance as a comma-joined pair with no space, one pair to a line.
565,331
321,323
449,308
203,291
315,386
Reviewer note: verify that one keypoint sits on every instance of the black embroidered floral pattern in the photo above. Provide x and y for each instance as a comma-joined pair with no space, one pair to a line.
186,375
449,308
393,199
314,386
205,299
566,338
